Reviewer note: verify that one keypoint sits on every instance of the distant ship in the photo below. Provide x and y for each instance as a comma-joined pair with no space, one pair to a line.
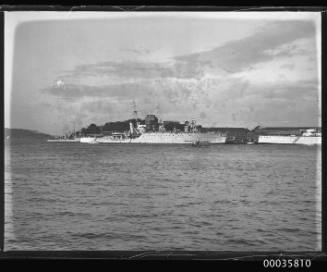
72,138
160,138
308,137
146,134
63,140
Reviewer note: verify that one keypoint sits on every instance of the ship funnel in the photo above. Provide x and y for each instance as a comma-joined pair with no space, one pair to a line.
131,128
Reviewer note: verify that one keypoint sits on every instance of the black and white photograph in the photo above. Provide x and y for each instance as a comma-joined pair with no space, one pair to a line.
162,131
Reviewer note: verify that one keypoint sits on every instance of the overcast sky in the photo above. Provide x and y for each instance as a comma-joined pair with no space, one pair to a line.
221,69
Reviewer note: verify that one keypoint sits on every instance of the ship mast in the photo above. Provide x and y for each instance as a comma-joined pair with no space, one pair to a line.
135,113
193,125
133,130
158,113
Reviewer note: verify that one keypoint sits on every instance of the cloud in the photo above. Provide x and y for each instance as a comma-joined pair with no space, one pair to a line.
125,69
238,55
267,74
272,40
301,46
75,92
289,91
137,51
289,66
229,101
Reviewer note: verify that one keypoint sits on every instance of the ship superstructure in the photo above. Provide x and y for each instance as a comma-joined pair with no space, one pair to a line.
154,132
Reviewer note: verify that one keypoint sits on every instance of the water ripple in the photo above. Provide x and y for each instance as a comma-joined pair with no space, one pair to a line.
134,197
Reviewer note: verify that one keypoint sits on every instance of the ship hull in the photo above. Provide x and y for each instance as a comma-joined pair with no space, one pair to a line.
304,140
63,140
167,138
88,140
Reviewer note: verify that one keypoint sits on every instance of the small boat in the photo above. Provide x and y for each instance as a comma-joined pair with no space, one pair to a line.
196,143
200,143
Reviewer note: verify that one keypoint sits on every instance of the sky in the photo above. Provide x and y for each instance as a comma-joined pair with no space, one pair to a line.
66,70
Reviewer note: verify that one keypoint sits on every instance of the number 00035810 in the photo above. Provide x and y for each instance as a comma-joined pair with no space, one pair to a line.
287,263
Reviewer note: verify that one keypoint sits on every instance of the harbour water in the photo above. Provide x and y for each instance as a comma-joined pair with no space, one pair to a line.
73,196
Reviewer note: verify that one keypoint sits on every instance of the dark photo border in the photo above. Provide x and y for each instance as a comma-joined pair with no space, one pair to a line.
169,255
